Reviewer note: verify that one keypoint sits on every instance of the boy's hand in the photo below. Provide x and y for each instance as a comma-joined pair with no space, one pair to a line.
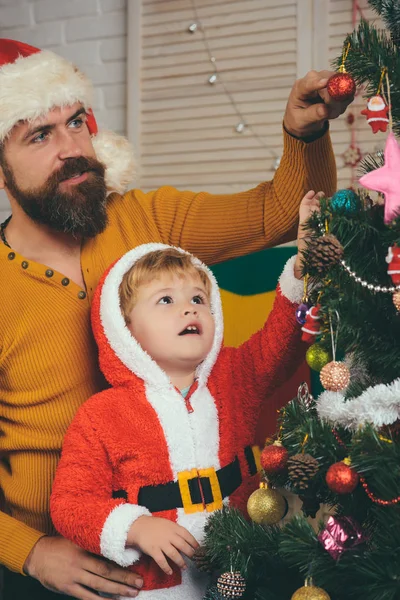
309,204
162,539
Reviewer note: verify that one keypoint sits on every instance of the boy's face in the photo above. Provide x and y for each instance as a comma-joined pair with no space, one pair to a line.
172,322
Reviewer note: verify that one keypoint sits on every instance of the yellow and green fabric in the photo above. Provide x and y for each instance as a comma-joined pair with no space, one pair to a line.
248,287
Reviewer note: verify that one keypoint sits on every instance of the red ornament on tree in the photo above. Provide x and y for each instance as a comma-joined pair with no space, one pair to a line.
341,478
274,458
376,113
311,328
393,260
341,86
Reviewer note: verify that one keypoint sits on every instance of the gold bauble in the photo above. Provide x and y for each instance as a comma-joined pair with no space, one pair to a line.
317,357
266,506
335,376
310,592
396,299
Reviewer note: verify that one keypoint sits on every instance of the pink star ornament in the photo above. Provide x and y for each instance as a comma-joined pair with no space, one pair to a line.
386,179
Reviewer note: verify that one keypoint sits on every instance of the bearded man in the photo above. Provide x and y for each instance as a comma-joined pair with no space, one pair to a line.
70,219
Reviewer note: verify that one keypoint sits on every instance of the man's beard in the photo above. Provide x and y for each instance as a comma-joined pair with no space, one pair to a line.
80,212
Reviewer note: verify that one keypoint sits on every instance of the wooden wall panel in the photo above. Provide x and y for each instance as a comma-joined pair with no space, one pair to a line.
188,136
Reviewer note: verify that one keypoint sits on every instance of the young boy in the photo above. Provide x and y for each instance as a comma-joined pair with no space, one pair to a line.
145,462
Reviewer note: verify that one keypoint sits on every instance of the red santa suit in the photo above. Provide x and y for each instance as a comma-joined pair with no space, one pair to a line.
140,448
377,114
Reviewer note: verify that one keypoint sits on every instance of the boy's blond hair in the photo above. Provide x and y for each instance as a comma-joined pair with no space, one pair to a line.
151,266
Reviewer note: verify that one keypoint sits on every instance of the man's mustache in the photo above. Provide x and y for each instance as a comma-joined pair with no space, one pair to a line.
76,166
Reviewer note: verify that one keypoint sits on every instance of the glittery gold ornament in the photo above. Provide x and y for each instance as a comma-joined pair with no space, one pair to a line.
335,376
396,300
231,585
317,357
310,592
266,506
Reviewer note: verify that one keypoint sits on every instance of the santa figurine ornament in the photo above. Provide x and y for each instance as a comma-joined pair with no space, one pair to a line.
377,113
393,260
311,328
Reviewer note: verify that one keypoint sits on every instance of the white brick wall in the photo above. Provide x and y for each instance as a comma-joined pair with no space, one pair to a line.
91,33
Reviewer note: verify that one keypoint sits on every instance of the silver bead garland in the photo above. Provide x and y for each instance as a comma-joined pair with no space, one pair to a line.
370,286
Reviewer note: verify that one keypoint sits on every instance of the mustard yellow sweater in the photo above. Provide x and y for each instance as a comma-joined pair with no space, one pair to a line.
48,359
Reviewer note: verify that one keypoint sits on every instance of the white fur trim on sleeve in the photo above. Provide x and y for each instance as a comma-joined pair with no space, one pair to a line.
115,531
291,287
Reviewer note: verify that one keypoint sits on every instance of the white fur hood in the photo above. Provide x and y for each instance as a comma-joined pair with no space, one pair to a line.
121,356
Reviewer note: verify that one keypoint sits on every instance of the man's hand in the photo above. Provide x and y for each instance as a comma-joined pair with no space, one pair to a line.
162,539
310,105
308,205
62,567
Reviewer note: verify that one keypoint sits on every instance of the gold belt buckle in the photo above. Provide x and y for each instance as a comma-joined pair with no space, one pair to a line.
183,480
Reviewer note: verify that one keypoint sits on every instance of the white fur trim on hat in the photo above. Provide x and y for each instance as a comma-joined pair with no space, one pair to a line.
115,532
33,85
117,155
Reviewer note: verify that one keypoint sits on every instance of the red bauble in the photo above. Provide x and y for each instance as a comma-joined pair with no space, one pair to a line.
341,86
341,478
274,458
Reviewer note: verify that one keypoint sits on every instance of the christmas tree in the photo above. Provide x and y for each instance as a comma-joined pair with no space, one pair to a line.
342,449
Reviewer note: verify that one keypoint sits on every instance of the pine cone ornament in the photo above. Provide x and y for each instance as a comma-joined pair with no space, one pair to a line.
202,561
302,468
325,251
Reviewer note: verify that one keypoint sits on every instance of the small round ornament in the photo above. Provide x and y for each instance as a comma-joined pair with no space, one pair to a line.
310,592
266,506
345,202
396,300
341,86
341,478
231,584
335,376
301,312
317,357
274,458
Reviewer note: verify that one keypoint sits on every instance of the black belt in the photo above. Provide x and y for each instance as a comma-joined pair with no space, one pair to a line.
167,496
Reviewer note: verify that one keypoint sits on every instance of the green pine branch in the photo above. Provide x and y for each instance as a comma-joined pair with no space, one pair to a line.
389,11
372,49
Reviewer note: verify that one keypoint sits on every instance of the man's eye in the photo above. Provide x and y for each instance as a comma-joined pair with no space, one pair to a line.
165,300
76,123
41,137
198,299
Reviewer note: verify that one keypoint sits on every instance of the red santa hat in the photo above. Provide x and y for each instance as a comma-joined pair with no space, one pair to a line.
33,82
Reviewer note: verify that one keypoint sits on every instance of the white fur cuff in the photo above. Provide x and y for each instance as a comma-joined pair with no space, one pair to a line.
291,287
115,531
